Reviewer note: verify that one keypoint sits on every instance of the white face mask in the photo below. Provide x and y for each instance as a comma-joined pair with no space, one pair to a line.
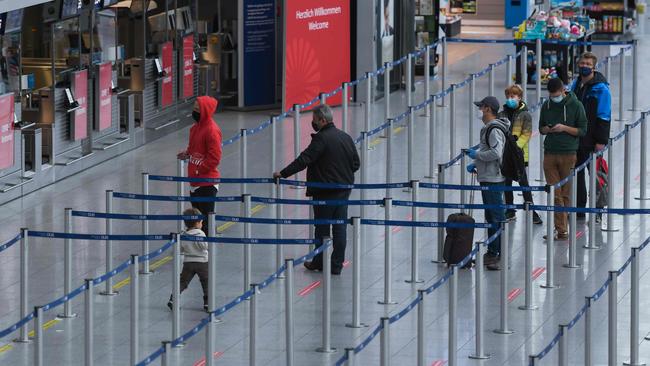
557,99
479,114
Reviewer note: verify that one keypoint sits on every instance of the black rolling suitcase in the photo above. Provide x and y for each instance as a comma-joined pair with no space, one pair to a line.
459,241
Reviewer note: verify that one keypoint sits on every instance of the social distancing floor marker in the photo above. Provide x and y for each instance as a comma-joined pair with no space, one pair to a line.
215,356
513,294
439,363
378,140
307,290
538,272
580,234
49,324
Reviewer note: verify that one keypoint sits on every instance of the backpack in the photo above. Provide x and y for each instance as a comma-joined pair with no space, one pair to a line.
602,183
512,161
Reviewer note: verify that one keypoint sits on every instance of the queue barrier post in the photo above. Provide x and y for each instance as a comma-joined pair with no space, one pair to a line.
108,289
563,346
621,86
288,314
387,68
440,258
356,275
573,227
538,68
421,327
369,102
322,98
296,130
209,341
523,70
463,179
145,224
479,352
588,334
504,328
212,267
471,98
364,172
38,336
409,80
164,358
23,337
453,321
243,159
643,170
608,67
326,299
591,243
252,326
634,311
247,248
384,342
349,354
541,156
610,187
635,73
274,149
279,249
490,80
452,121
509,70
411,144
176,288
89,335
427,76
345,106
389,155
432,138
612,319
135,310
67,271
180,171
528,264
627,166
388,255
444,69
415,253
550,243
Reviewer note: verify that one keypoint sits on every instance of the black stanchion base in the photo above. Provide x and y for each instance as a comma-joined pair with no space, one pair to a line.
549,287
146,273
412,281
480,357
524,307
381,302
361,325
592,248
324,350
571,267
503,331
113,293
628,363
18,340
63,316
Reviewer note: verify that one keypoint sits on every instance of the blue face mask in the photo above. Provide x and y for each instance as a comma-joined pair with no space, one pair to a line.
585,71
557,99
512,103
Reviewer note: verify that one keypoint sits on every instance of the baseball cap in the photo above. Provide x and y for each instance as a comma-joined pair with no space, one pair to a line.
490,101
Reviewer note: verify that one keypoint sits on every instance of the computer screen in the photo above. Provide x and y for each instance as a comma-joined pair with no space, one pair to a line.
70,8
14,21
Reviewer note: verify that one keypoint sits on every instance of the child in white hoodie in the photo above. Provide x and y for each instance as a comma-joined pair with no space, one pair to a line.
195,260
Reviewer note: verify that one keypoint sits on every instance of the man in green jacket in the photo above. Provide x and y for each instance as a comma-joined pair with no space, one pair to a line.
563,121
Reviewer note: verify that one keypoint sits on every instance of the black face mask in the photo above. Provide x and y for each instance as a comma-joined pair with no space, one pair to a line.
196,116
314,125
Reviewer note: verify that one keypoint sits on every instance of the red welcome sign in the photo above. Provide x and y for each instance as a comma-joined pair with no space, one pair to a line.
167,92
105,96
6,130
80,117
188,66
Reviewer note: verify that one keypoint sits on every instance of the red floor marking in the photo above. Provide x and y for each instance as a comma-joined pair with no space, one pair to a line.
439,363
537,272
580,234
216,355
307,290
346,263
513,294
638,177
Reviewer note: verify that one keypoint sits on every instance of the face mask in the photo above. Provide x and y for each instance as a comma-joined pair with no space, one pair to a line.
314,125
557,99
196,116
512,103
585,71
479,114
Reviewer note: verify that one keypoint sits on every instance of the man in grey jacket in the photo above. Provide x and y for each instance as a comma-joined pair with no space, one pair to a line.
487,166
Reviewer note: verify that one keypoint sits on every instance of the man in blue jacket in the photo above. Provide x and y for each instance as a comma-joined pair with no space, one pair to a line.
592,89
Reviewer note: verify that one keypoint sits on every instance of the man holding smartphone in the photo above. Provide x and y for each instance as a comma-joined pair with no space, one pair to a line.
563,121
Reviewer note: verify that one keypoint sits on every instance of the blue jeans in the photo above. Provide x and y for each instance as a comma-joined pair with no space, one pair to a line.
494,216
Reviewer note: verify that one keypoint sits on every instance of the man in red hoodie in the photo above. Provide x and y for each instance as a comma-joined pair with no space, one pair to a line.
204,154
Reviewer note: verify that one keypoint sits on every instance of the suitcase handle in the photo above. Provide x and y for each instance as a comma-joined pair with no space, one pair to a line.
471,192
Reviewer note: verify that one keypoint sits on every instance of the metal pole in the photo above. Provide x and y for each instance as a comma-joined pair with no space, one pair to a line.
279,250
135,309
452,122
108,290
356,275
612,321
591,244
588,332
364,172
550,243
463,178
145,223
444,69
509,70
523,70
288,314
274,122
209,341
528,267
248,267
38,336
410,144
346,105
563,347
621,86
432,138
490,80
471,120
88,327
627,167
252,326
441,216
243,159
453,322
634,311
415,254
384,342
479,353
610,187
409,80
503,278
326,297
24,284
176,287
387,68
179,192
322,98
538,68
389,155
643,173
421,359
541,153
67,278
427,75
296,130
212,267
608,68
368,105
388,254
164,358
349,354
573,229
635,73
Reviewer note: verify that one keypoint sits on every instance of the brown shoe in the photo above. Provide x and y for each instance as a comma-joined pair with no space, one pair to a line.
489,259
311,266
494,266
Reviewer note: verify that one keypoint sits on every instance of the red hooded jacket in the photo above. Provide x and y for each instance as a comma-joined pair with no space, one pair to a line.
204,148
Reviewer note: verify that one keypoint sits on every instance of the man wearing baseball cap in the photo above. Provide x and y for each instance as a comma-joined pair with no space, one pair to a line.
487,166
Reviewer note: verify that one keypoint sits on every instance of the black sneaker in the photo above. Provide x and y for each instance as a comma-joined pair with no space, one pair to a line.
494,266
311,266
536,219
599,218
205,308
170,305
511,216
489,259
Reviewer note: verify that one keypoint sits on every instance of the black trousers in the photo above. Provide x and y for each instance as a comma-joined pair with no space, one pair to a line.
205,207
191,269
338,233
523,182
581,191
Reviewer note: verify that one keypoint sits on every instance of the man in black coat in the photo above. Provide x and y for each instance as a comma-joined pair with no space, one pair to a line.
331,157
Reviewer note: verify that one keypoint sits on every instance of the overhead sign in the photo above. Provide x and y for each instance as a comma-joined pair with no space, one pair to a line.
105,96
259,52
9,5
317,58
6,130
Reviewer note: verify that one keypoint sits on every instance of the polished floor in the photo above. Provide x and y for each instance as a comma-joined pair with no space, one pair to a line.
63,338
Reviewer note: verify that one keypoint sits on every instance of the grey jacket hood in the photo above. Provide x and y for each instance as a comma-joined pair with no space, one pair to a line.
195,251
490,151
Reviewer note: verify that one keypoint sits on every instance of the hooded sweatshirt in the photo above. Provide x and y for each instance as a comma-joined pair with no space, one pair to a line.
490,152
205,144
597,101
569,112
195,251
521,125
